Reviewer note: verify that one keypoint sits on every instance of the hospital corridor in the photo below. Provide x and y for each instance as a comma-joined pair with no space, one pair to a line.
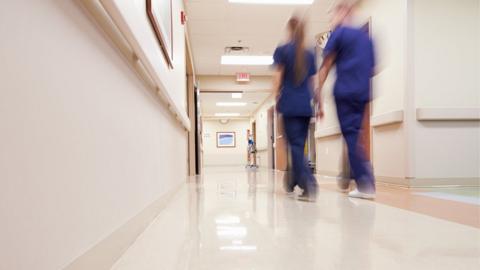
240,134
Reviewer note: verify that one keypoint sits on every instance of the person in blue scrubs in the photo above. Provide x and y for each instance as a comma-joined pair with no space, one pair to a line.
351,50
293,83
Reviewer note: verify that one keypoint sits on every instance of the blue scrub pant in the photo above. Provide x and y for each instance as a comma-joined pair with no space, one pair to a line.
350,115
296,130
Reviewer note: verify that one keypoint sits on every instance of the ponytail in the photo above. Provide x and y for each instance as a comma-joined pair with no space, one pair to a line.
297,29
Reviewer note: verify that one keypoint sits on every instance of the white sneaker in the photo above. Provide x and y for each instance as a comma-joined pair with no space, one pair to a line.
360,195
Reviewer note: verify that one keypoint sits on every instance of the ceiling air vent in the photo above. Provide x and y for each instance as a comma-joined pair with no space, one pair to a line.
236,49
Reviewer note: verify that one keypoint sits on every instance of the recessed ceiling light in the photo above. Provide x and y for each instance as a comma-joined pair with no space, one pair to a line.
247,60
231,104
273,2
227,114
236,95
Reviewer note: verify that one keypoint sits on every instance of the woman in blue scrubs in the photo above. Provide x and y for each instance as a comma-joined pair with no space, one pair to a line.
350,49
295,68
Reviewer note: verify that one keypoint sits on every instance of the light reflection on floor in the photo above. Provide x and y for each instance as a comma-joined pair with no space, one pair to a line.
237,219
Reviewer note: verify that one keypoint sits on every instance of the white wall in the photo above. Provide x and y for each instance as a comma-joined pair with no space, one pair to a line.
84,146
446,53
235,156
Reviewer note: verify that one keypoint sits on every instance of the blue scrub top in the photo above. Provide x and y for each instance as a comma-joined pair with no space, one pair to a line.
295,99
354,61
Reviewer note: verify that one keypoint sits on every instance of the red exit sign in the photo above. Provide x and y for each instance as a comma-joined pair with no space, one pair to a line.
243,77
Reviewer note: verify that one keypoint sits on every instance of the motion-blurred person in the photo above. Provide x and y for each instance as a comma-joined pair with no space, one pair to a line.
251,150
351,50
293,83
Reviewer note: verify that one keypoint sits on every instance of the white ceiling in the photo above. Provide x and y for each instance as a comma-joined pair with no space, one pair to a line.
253,100
216,24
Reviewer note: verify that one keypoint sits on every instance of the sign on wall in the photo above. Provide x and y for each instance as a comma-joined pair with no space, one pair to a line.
243,77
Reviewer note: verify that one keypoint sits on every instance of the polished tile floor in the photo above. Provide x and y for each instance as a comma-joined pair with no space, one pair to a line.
235,219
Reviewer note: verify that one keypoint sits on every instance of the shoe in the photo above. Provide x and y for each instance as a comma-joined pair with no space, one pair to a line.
290,194
361,195
307,198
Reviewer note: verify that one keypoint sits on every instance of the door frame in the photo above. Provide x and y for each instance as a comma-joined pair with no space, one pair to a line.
271,137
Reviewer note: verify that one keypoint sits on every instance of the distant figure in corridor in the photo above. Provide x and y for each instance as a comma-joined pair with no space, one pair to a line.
350,49
293,83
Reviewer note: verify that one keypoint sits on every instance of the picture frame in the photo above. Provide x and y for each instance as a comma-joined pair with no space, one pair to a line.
226,140
160,14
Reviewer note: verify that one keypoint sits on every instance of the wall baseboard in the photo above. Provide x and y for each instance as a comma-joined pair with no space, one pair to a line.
104,254
443,182
393,181
429,182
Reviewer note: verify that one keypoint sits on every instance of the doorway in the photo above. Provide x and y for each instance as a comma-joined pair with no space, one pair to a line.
311,147
366,136
271,137
281,154
254,135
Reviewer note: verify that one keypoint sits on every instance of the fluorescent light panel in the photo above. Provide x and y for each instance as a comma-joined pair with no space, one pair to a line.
231,104
273,2
227,114
247,60
238,248
237,95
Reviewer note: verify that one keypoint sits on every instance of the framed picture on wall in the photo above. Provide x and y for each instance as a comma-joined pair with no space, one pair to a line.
160,15
225,139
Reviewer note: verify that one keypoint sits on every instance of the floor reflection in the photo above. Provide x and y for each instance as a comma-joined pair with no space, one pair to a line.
241,219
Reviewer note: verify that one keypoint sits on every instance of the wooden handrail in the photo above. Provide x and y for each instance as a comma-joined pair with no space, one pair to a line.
111,22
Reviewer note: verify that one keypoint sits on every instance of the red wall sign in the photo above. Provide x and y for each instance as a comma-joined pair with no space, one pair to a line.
243,77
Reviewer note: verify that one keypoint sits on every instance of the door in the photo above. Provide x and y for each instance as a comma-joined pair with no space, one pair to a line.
366,136
271,137
281,155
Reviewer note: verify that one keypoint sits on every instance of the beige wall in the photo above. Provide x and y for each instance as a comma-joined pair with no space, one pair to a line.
446,69
85,147
446,76
214,156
